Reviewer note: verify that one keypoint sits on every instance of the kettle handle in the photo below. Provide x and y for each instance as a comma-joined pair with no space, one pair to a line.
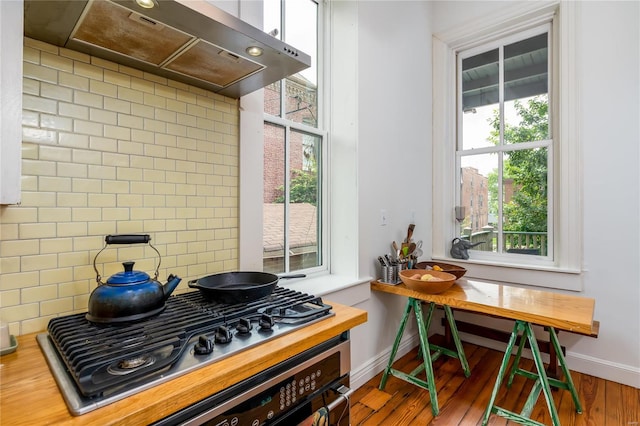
126,239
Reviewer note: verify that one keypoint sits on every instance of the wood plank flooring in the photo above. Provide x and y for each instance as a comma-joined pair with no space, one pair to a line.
463,400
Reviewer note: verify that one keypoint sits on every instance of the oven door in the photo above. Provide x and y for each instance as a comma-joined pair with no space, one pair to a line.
285,394
334,401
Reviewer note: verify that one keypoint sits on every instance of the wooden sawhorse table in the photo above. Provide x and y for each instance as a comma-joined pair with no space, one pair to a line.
527,307
428,351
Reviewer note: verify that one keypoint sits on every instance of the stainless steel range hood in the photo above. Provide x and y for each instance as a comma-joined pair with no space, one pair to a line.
185,40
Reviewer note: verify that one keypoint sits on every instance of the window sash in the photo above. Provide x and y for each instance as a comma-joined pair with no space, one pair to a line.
564,271
314,130
501,148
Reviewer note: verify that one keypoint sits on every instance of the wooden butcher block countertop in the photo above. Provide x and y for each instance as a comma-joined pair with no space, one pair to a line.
563,311
29,394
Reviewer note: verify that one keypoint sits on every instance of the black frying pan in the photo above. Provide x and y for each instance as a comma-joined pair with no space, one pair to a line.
238,287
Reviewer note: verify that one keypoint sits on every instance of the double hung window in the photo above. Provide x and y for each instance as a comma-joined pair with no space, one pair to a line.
506,152
505,146
294,147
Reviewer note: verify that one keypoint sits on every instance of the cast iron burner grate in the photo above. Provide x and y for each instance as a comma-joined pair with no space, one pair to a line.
103,357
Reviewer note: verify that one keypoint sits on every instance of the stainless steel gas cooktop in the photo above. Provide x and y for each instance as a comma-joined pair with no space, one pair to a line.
97,364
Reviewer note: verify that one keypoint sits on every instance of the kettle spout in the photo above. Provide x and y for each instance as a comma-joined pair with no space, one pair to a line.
171,285
477,244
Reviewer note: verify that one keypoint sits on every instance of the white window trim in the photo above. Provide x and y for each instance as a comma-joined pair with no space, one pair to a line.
565,272
492,257
252,120
11,40
289,126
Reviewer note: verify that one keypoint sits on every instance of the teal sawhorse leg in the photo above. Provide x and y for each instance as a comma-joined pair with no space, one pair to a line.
542,383
425,349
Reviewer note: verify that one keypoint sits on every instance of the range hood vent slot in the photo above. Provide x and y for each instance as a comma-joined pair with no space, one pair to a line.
210,63
115,28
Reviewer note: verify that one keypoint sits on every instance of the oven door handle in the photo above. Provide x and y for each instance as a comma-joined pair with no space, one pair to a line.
344,395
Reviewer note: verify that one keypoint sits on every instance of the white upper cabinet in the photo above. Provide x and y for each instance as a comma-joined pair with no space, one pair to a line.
10,100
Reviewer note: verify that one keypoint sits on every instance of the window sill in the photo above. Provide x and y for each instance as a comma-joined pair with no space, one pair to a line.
529,275
341,288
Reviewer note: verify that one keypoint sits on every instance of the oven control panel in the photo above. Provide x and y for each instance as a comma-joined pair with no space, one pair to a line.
260,409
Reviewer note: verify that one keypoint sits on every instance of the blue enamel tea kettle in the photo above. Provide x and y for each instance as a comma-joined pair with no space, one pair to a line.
129,295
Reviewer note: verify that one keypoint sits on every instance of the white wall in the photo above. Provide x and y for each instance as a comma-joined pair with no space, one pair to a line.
383,113
610,58
382,130
394,145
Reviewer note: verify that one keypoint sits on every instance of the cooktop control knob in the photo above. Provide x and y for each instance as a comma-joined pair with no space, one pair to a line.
266,322
223,335
204,346
244,326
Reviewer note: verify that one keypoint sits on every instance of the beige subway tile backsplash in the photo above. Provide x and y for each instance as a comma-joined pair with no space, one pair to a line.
36,103
56,62
73,110
88,70
12,281
55,122
88,99
71,54
73,288
10,298
37,231
110,149
54,91
102,116
88,128
57,306
102,88
21,312
54,214
73,81
38,294
20,247
40,73
56,245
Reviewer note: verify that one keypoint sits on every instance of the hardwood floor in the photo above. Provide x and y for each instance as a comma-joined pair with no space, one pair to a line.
463,400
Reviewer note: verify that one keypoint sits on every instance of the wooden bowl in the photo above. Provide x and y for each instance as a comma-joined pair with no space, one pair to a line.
456,270
442,282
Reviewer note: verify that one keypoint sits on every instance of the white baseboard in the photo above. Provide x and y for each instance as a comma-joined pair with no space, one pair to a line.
366,372
604,369
585,364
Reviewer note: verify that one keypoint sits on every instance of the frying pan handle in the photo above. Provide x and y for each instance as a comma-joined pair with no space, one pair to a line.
127,239
284,277
193,284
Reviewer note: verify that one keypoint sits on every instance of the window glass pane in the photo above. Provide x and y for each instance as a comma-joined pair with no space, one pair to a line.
480,97
304,229
292,191
480,80
478,129
526,68
273,235
302,88
527,120
301,31
525,201
526,87
272,16
272,100
478,199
